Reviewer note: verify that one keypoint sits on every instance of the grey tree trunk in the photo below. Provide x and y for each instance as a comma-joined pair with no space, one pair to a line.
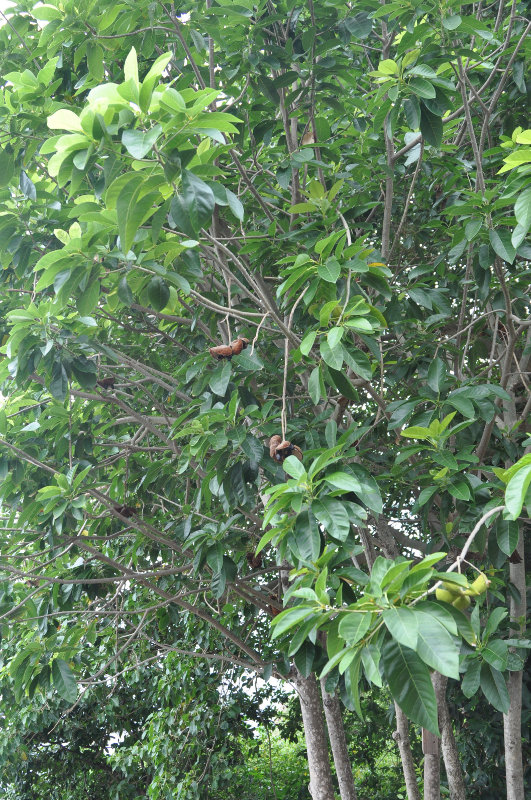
452,765
431,749
432,776
338,743
401,737
512,721
314,732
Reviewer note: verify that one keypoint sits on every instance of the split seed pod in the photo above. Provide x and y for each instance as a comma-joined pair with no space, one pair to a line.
273,444
228,350
280,450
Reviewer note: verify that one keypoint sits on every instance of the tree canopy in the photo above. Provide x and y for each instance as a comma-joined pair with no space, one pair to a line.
224,222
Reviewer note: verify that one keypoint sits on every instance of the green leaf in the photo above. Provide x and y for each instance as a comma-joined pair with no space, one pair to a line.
471,678
370,657
235,205
416,432
193,208
502,245
358,361
522,209
333,517
452,22
294,467
436,647
330,270
494,688
402,624
431,126
341,480
59,382
133,207
288,618
139,143
219,380
124,292
63,680
354,625
158,292
410,685
334,336
307,538
307,343
436,374
495,652
342,384
472,229
304,658
422,88
65,120
388,67
495,618
460,490
507,534
516,491
315,382
334,358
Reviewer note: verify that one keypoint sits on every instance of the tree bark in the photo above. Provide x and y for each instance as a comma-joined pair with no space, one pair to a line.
401,737
314,732
432,776
452,765
432,756
512,721
338,743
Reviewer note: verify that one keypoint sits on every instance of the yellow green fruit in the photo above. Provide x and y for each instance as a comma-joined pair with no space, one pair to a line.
461,602
479,586
454,588
445,595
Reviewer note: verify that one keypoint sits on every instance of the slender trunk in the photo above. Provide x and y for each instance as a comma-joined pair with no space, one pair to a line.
338,743
401,736
431,749
314,732
452,765
512,721
432,776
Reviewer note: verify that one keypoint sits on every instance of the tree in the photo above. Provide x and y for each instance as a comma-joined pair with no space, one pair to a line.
334,203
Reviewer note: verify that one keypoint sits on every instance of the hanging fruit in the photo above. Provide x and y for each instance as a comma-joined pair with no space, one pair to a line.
228,350
279,450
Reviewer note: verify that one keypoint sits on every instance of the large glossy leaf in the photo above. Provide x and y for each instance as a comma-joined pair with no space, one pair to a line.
64,680
410,685
436,647
306,537
192,209
517,490
402,624
333,517
494,688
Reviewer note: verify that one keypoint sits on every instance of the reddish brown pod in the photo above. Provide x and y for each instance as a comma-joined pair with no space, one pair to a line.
273,444
228,350
106,383
279,450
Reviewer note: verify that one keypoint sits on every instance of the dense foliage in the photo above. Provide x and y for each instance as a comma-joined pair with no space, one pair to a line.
335,199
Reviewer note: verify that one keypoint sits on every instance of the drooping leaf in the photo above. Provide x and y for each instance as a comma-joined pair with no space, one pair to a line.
410,685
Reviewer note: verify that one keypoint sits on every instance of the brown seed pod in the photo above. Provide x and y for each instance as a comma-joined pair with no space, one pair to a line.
254,560
106,383
125,511
273,444
238,345
228,350
280,450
